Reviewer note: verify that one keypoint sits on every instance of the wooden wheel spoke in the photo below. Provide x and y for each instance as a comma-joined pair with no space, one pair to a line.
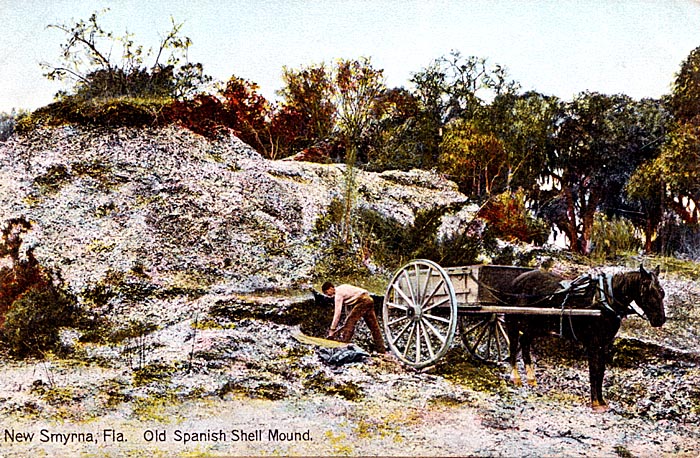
397,306
398,320
403,331
489,339
403,295
418,340
409,284
497,338
503,332
428,343
437,304
423,298
435,332
419,289
435,290
408,341
479,338
475,326
436,318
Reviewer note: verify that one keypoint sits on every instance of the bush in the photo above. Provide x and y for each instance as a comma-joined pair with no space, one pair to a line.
611,238
379,239
509,219
32,308
8,121
98,112
33,321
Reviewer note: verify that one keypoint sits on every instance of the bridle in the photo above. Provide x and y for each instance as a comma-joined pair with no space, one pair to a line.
604,288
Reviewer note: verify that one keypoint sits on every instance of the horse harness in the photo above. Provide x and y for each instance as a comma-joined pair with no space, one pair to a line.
604,297
578,287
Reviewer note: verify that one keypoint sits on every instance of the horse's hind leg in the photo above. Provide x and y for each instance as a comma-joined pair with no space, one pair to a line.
525,343
513,337
596,368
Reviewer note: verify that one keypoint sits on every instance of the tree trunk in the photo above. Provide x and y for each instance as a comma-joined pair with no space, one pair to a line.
570,227
588,210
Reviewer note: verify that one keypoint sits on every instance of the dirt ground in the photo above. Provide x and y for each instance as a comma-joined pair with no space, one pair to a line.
246,387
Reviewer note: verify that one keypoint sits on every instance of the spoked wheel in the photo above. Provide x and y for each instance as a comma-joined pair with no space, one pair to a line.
484,335
420,313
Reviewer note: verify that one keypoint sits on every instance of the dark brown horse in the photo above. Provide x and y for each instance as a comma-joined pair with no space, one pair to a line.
612,294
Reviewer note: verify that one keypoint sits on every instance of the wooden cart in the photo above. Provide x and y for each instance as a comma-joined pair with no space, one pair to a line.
425,303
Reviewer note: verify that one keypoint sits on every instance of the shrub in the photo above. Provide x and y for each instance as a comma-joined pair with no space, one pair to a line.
613,237
112,112
32,308
33,321
377,238
509,219
8,122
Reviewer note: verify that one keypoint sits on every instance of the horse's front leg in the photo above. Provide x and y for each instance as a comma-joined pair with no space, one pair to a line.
525,343
596,369
513,336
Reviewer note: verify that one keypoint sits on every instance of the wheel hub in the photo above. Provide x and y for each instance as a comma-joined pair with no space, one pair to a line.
414,314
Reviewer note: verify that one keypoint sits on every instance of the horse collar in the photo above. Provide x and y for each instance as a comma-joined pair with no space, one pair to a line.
606,293
608,299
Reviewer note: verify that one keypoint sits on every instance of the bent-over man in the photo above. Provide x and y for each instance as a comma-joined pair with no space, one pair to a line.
362,307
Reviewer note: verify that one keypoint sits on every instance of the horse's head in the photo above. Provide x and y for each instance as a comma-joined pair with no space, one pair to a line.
651,296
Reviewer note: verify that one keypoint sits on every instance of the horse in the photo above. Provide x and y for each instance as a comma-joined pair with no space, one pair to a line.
612,294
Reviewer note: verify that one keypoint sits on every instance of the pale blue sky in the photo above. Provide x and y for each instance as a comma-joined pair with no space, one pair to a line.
556,47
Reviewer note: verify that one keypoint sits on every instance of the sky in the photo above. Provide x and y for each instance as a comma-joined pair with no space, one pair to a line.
557,47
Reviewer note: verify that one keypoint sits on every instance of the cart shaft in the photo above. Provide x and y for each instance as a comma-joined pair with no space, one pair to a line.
471,308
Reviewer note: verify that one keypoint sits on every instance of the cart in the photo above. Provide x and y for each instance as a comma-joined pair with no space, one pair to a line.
425,304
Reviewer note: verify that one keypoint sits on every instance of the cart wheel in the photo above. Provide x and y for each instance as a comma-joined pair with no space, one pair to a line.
484,335
420,313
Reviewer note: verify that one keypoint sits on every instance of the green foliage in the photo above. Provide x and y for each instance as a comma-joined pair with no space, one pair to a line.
33,321
600,141
339,103
685,97
111,112
381,240
87,60
32,307
473,158
322,383
307,103
154,372
673,174
613,237
8,123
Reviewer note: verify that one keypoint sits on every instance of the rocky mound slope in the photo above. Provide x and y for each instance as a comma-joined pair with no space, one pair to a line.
174,231
147,215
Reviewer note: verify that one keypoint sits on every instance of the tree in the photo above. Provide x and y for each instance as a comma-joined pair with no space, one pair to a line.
674,174
473,158
685,97
454,87
649,128
357,94
358,87
249,114
86,60
397,139
668,179
525,124
598,145
307,104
